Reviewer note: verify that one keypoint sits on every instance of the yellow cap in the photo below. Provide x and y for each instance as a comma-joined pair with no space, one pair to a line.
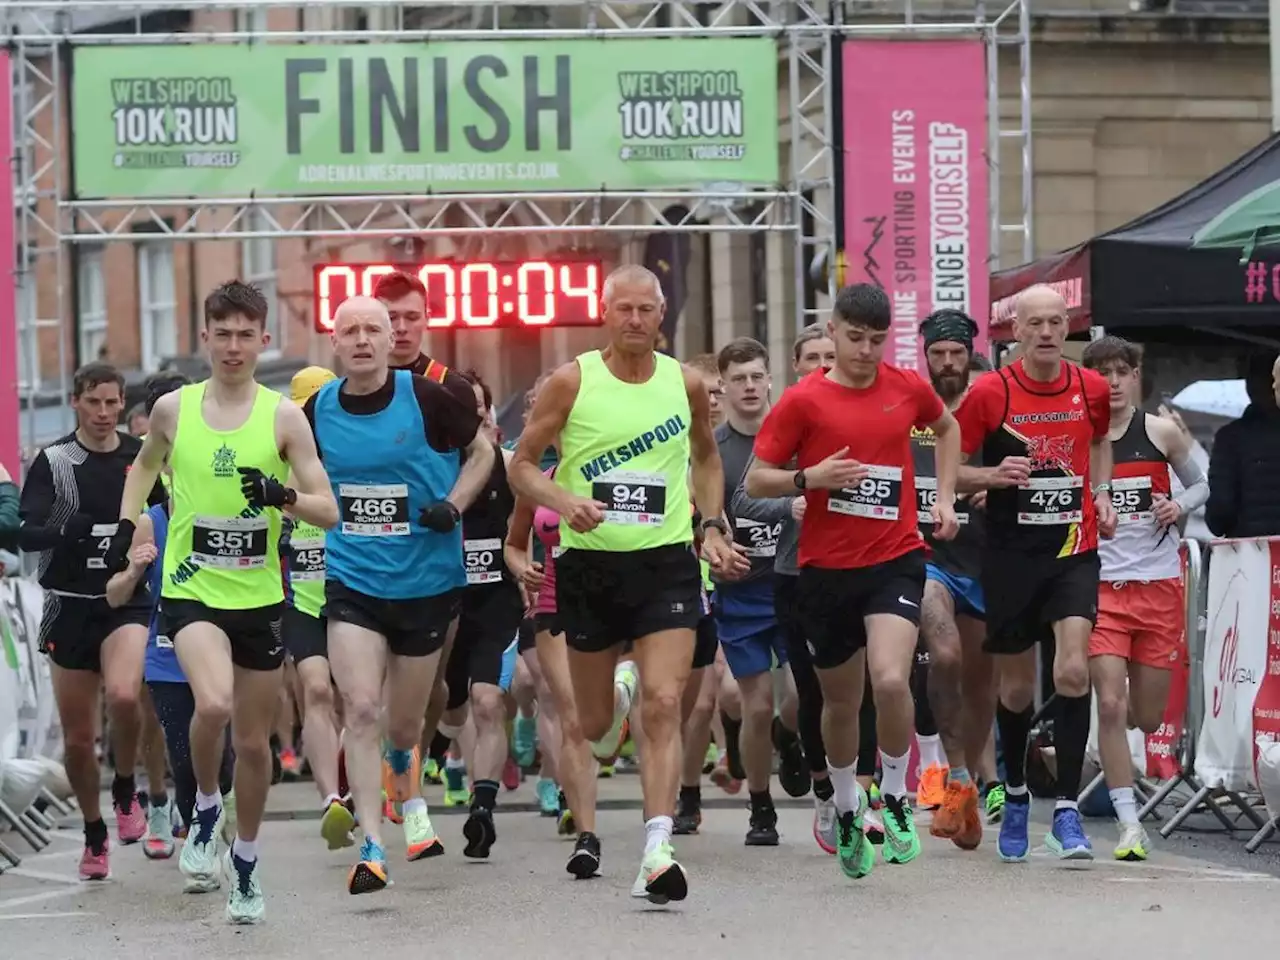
307,381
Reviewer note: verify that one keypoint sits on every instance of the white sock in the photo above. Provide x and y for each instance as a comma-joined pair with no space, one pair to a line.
206,800
1065,805
657,831
845,784
1016,791
625,687
415,805
893,774
246,850
1126,808
454,763
930,752
330,800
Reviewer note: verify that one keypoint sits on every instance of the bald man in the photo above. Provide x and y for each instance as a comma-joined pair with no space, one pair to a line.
392,443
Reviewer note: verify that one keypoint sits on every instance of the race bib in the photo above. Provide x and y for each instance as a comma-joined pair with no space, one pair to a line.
163,642
230,543
1131,497
483,560
374,511
639,499
556,551
759,539
1051,501
306,559
927,497
100,535
876,498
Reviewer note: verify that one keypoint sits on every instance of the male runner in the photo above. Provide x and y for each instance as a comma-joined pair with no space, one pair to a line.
861,554
391,444
745,620
630,421
1141,627
68,509
230,444
1042,424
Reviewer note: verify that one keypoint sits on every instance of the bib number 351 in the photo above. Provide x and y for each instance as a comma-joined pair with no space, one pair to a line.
230,543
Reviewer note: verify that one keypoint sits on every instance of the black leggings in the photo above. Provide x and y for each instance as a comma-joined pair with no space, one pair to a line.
175,706
868,743
926,726
808,692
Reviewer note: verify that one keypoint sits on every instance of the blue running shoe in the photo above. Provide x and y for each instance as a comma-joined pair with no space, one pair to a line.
1013,844
1067,838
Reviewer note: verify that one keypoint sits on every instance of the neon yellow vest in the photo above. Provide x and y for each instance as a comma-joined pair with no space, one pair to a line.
306,568
220,551
627,445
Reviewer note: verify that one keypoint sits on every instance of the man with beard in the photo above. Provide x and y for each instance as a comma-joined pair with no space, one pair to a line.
953,614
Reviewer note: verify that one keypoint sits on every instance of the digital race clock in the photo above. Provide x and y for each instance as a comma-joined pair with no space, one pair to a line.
480,295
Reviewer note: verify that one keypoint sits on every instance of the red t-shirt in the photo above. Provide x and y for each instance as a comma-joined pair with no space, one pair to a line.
1007,414
874,522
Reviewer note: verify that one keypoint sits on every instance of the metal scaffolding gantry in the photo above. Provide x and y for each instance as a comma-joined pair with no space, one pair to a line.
50,219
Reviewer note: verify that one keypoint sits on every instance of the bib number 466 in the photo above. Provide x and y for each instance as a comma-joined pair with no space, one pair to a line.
369,508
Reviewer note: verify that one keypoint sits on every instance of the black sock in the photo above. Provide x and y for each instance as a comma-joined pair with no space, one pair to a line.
439,748
691,797
159,799
1014,729
1070,736
761,801
733,754
124,792
822,789
486,794
95,834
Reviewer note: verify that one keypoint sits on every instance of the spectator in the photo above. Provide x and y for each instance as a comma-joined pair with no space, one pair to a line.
136,421
1244,498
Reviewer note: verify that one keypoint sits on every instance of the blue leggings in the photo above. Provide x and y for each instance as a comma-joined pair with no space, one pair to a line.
175,706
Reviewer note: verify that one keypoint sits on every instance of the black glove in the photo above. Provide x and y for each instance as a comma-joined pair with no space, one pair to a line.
263,491
117,558
77,527
440,517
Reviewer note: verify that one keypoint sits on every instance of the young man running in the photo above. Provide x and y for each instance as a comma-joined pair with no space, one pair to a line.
391,443
1141,627
230,444
1041,423
861,555
69,506
630,421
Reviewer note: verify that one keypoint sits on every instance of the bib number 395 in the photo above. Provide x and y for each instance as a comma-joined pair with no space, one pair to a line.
639,499
877,497
230,543
1131,497
374,510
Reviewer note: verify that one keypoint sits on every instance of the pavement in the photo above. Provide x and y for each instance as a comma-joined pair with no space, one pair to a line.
1199,894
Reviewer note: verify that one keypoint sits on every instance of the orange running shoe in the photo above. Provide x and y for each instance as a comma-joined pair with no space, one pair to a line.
932,788
957,819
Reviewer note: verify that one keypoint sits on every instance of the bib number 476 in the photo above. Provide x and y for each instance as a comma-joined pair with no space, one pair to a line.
1051,500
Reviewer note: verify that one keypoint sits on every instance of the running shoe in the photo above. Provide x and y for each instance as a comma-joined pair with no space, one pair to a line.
524,739
854,851
336,825
456,793
290,764
931,791
723,779
625,680
661,878
901,842
994,804
584,862
793,772
131,824
873,827
420,839
824,824
245,903
511,775
605,771
369,875
709,763
957,819
566,826
229,821
198,860
432,772
1013,844
158,843
95,865
548,797
1067,838
1134,843
688,817
762,829
480,833
874,800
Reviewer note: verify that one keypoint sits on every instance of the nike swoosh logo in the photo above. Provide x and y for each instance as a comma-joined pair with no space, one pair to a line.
904,600
892,406
550,527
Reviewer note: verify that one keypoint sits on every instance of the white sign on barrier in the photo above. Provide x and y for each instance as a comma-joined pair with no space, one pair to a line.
1241,662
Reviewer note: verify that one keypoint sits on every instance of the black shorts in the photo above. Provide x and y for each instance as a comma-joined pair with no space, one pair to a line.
1026,595
547,623
833,604
72,629
706,644
528,635
305,636
487,623
412,628
256,634
606,598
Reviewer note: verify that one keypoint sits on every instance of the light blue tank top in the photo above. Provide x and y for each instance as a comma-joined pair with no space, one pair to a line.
162,662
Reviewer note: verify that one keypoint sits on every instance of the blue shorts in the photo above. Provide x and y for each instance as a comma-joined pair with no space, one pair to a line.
966,592
509,658
750,637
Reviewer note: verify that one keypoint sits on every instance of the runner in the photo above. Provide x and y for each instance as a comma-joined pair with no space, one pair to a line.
959,675
230,444
391,442
630,422
68,509
861,554
1042,424
1141,627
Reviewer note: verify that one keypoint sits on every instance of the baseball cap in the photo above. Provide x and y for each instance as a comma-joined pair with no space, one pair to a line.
307,381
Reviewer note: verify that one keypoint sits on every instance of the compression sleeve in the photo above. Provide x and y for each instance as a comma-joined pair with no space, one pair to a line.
767,510
1195,484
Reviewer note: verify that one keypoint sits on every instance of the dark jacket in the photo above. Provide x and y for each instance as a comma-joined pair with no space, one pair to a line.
1244,476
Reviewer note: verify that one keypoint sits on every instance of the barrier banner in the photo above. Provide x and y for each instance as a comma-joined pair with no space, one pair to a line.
10,442
1241,662
916,180
1162,746
515,116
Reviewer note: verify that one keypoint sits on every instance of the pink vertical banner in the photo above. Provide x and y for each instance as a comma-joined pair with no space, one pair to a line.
10,433
915,181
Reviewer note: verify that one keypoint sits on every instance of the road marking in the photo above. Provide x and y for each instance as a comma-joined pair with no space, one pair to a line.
41,875
1233,878
48,916
37,897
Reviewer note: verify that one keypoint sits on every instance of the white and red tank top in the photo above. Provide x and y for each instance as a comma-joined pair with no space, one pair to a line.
1141,548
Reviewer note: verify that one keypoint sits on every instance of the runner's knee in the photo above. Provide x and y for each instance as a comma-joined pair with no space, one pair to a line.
660,709
361,712
1113,706
317,691
488,706
214,710
1070,675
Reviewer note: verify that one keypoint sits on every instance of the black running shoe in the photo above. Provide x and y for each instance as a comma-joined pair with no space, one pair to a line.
793,771
687,819
763,829
480,834
584,862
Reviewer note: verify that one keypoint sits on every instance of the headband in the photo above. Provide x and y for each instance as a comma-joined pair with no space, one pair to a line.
953,325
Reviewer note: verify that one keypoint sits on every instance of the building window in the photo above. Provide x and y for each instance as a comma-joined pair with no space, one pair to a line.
258,266
157,304
92,321
28,337
253,20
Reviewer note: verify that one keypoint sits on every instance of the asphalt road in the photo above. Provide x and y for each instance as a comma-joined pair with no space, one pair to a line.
1199,894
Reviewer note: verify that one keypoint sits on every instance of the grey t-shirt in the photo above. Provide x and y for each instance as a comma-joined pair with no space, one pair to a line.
758,535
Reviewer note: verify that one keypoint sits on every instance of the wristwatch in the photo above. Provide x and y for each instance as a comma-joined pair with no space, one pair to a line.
715,523
799,480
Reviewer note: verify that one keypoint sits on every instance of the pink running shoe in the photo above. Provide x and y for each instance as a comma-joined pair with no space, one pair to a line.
93,866
131,824
510,775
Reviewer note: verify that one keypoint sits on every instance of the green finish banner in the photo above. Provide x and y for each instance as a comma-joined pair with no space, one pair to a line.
453,117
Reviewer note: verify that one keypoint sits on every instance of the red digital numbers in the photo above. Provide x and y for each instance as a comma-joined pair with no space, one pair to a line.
482,295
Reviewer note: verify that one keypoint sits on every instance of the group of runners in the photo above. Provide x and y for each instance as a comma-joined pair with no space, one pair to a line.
874,558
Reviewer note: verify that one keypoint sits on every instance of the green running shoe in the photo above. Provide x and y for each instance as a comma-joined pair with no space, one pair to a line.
456,793
901,842
854,851
994,809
